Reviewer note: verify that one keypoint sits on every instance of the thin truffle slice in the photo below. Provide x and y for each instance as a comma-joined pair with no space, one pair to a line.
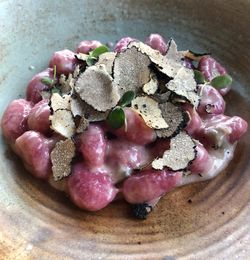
149,110
81,108
172,52
175,117
82,125
76,105
67,83
153,55
107,59
131,70
61,157
96,88
151,87
184,85
59,102
181,153
62,122
168,64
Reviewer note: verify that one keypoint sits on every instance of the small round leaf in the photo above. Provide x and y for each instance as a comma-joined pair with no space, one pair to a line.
198,76
94,55
116,118
126,98
98,51
47,81
221,81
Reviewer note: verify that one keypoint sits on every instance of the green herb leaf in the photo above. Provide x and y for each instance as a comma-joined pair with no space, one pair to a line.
47,81
126,98
116,118
98,51
221,81
94,55
199,78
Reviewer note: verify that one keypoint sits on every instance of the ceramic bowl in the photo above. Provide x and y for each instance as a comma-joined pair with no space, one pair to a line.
208,220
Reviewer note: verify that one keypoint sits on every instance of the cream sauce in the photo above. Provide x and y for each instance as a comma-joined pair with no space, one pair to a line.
219,158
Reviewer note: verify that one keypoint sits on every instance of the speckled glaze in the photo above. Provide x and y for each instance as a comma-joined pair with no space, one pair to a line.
208,220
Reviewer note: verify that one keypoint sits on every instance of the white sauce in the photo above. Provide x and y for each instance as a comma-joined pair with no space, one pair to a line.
220,159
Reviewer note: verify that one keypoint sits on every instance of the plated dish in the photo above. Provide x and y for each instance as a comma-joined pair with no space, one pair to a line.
133,123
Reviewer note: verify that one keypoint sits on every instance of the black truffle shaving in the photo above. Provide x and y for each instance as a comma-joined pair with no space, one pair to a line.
180,155
182,125
176,118
141,210
131,70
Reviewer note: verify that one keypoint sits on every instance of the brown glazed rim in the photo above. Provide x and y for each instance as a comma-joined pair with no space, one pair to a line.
208,220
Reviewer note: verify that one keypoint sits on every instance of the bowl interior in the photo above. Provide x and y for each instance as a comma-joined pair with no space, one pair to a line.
38,221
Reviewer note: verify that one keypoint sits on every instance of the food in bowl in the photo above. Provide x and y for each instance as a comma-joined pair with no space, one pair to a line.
135,122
